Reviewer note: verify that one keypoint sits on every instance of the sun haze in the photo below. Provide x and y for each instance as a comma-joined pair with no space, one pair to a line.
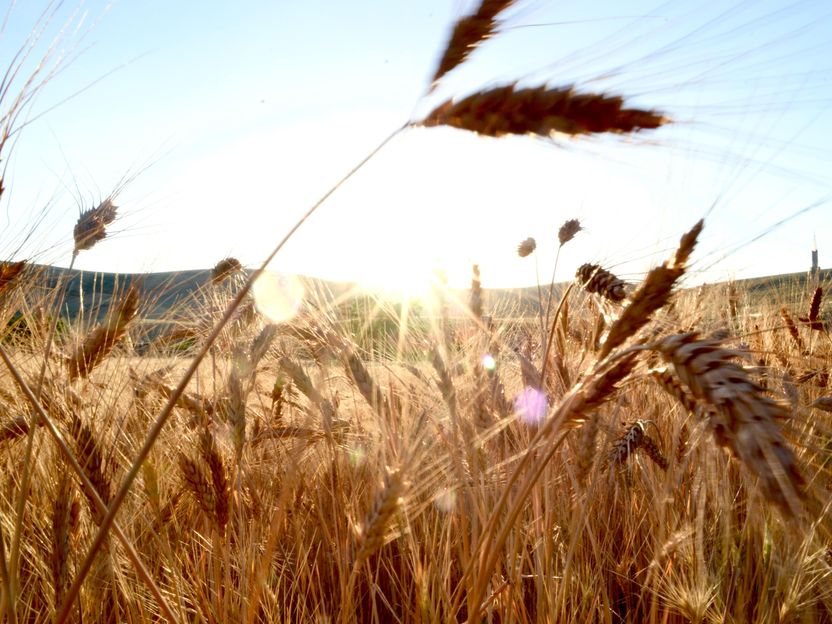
230,123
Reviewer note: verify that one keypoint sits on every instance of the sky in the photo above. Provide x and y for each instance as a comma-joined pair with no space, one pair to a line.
216,125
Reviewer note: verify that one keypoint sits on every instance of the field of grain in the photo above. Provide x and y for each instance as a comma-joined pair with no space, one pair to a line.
621,451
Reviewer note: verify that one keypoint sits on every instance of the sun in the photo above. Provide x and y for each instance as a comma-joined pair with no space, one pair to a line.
407,277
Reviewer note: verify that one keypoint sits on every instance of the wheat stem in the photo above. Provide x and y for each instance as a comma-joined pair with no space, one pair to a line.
142,571
159,424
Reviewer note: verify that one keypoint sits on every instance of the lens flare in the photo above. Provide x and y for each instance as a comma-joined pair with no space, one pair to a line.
488,362
531,406
278,296
445,500
357,455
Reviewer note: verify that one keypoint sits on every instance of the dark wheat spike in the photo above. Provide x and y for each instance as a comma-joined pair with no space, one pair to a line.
541,111
91,226
568,230
599,281
224,269
526,247
788,321
813,320
14,428
9,272
632,439
467,34
625,445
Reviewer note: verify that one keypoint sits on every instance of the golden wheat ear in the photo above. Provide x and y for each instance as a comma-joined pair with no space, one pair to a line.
653,293
103,338
744,419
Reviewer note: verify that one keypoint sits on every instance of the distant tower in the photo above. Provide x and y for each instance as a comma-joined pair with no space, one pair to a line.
814,273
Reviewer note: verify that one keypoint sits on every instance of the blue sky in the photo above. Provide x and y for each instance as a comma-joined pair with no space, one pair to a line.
230,119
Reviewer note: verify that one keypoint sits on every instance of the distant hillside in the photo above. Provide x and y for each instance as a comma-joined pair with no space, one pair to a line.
163,293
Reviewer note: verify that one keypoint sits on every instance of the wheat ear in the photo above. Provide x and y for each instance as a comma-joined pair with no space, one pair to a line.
813,320
9,272
61,525
467,34
197,483
653,293
103,338
788,321
91,226
541,111
599,281
744,418
633,438
216,468
90,457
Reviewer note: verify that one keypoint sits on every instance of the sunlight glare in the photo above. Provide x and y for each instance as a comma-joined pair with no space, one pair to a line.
278,296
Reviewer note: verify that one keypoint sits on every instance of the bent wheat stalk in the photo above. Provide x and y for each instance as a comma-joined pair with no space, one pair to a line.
141,570
167,410
582,399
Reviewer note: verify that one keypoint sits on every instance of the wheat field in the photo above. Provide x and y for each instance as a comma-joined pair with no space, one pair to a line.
625,450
